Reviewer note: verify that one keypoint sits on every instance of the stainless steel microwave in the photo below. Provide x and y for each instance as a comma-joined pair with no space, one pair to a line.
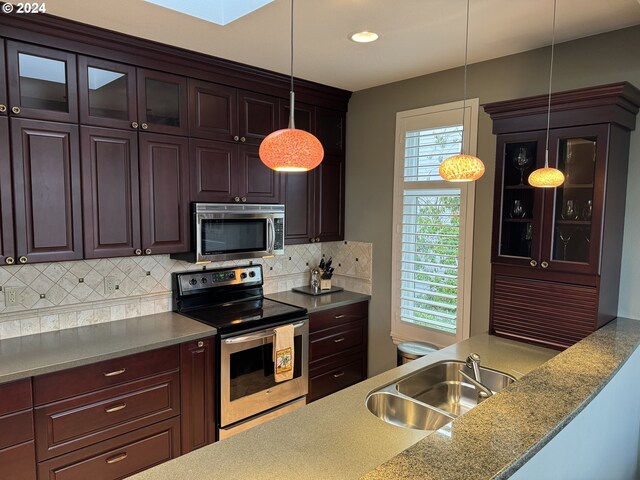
222,231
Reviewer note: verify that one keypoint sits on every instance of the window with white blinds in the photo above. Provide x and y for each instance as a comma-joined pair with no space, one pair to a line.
433,222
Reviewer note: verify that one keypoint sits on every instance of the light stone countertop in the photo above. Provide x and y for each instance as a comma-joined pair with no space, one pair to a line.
317,303
32,355
335,437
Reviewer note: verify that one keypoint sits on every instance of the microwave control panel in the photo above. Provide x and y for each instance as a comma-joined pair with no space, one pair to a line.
278,225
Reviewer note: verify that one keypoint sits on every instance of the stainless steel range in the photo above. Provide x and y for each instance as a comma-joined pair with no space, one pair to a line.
231,299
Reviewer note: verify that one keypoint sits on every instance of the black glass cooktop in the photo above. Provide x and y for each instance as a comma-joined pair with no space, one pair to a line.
245,314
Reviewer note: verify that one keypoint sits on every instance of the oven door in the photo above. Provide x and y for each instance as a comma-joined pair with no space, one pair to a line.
247,385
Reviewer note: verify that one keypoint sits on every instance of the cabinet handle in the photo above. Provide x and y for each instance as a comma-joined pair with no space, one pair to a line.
134,125
338,375
533,263
116,458
138,251
200,344
312,240
317,239
3,108
242,139
244,199
10,260
144,126
16,110
115,373
23,259
237,199
544,264
338,340
342,315
236,138
147,251
117,408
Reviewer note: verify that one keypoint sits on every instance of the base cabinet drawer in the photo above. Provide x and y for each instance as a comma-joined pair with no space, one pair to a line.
336,340
77,422
346,372
119,457
16,428
18,462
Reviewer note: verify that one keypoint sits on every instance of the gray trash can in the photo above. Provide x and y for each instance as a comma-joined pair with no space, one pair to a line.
408,351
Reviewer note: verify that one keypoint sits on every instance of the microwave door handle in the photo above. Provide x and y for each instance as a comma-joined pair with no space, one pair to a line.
271,237
257,336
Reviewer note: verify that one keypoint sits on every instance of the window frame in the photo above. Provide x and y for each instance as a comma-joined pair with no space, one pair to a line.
403,331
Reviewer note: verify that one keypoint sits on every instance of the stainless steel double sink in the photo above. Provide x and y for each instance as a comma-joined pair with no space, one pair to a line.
433,396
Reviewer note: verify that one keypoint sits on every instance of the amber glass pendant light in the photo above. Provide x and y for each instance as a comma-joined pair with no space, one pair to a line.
548,177
290,149
462,167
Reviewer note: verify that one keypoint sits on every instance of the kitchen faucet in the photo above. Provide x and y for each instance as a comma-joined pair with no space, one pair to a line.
473,362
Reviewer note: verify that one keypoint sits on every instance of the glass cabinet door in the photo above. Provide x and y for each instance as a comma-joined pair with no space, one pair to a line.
42,83
518,210
573,211
107,94
162,102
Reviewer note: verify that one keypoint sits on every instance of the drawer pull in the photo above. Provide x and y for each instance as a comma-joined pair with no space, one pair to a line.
338,375
342,315
338,340
117,408
115,373
116,458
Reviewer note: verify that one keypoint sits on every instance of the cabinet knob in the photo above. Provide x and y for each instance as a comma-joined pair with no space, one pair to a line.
236,138
200,344
244,199
242,139
312,240
15,110
23,259
138,251
237,199
144,126
544,264
147,251
10,260
134,124
3,108
317,239
533,263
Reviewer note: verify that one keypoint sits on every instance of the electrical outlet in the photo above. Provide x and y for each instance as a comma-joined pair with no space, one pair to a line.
11,296
109,285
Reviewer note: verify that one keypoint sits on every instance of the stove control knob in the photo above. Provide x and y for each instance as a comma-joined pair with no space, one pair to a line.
204,280
252,274
243,275
193,281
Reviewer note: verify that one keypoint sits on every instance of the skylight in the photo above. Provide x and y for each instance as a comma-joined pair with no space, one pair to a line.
221,12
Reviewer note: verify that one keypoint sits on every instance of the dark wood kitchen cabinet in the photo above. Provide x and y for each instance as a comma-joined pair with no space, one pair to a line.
7,250
3,82
42,82
257,116
314,200
162,102
225,172
110,187
330,130
164,193
557,253
197,381
17,452
47,186
337,349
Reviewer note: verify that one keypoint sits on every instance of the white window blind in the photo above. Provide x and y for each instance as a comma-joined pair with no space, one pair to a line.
433,228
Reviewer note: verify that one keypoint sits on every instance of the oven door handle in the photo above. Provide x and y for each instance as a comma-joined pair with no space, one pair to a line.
258,336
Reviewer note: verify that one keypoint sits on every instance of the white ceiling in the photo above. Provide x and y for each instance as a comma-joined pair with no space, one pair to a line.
417,36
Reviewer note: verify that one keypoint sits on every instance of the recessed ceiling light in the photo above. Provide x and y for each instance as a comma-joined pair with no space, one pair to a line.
364,37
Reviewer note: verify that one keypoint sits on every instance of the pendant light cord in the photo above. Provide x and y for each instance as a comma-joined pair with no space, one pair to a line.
464,88
553,41
291,94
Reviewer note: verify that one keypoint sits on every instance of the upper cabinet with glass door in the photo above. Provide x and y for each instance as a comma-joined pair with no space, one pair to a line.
42,83
162,102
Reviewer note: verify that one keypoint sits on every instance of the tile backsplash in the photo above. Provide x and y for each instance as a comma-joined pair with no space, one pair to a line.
54,296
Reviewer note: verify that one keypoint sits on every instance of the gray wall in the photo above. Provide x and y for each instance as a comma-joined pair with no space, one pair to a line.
600,59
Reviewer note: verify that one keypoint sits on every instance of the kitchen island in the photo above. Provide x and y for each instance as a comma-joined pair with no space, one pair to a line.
338,438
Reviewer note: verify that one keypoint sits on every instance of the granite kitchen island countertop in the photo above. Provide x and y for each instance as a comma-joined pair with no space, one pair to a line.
32,355
338,438
317,303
